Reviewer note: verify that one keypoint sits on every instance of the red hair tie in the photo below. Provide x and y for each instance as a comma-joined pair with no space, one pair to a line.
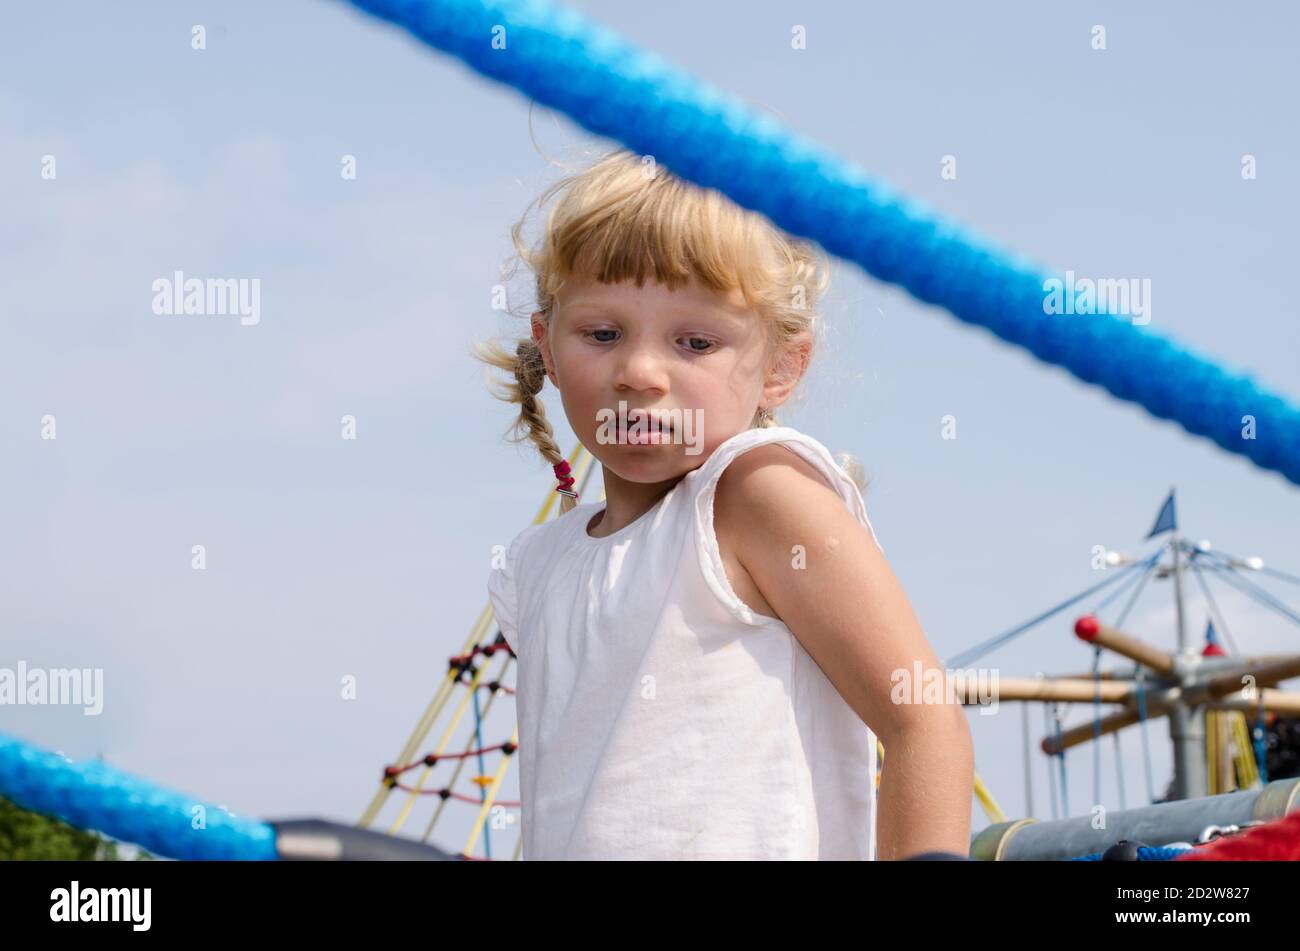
566,481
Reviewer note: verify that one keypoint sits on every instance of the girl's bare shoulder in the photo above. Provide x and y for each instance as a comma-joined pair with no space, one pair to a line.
759,500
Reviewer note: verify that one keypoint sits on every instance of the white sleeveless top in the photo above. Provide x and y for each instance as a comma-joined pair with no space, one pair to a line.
659,717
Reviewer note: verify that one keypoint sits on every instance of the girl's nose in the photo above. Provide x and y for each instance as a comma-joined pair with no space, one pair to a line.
641,368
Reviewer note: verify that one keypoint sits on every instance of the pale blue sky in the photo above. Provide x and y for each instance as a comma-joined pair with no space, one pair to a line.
329,558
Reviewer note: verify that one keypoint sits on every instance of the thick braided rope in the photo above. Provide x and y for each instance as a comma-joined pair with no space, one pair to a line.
562,60
1144,854
93,795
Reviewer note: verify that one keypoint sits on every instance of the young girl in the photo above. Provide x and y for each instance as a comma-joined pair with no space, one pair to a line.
706,658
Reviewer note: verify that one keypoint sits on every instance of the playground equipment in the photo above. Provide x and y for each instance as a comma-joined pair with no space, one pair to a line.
1205,695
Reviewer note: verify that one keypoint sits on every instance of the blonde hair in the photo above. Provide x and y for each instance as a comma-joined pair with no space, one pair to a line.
627,218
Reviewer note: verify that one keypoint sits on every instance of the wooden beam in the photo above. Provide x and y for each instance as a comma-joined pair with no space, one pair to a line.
1092,631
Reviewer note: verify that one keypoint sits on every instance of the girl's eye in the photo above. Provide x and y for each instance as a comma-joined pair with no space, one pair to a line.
707,344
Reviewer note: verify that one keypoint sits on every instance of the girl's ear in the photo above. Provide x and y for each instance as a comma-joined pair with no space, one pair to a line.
787,369
540,327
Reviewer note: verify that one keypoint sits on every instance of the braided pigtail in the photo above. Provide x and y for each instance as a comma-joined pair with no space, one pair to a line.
528,370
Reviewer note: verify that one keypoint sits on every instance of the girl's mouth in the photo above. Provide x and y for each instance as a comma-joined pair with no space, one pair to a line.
648,433
647,438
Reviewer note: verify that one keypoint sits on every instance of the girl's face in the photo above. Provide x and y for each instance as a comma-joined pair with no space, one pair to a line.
694,350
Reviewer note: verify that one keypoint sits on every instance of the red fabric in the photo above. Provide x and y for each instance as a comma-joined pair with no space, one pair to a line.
1277,841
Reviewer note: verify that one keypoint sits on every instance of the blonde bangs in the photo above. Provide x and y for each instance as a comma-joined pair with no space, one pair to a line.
626,219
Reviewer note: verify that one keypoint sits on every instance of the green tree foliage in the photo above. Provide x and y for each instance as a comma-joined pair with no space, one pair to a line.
30,836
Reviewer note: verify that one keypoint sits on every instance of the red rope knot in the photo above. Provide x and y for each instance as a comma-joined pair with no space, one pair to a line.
566,481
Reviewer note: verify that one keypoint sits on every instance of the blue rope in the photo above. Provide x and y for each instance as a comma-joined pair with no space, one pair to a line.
1119,771
1247,587
94,795
1096,726
1280,574
1215,613
1142,722
1227,558
1140,577
972,654
1145,854
1261,754
1146,566
482,768
1051,773
1060,756
561,59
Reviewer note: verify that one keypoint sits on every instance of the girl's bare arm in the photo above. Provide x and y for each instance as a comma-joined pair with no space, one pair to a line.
819,568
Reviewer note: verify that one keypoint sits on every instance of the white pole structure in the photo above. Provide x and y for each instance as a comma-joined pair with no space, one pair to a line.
1186,721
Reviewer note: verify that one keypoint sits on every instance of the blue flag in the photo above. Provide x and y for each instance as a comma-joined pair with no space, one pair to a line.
1166,520
1212,646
